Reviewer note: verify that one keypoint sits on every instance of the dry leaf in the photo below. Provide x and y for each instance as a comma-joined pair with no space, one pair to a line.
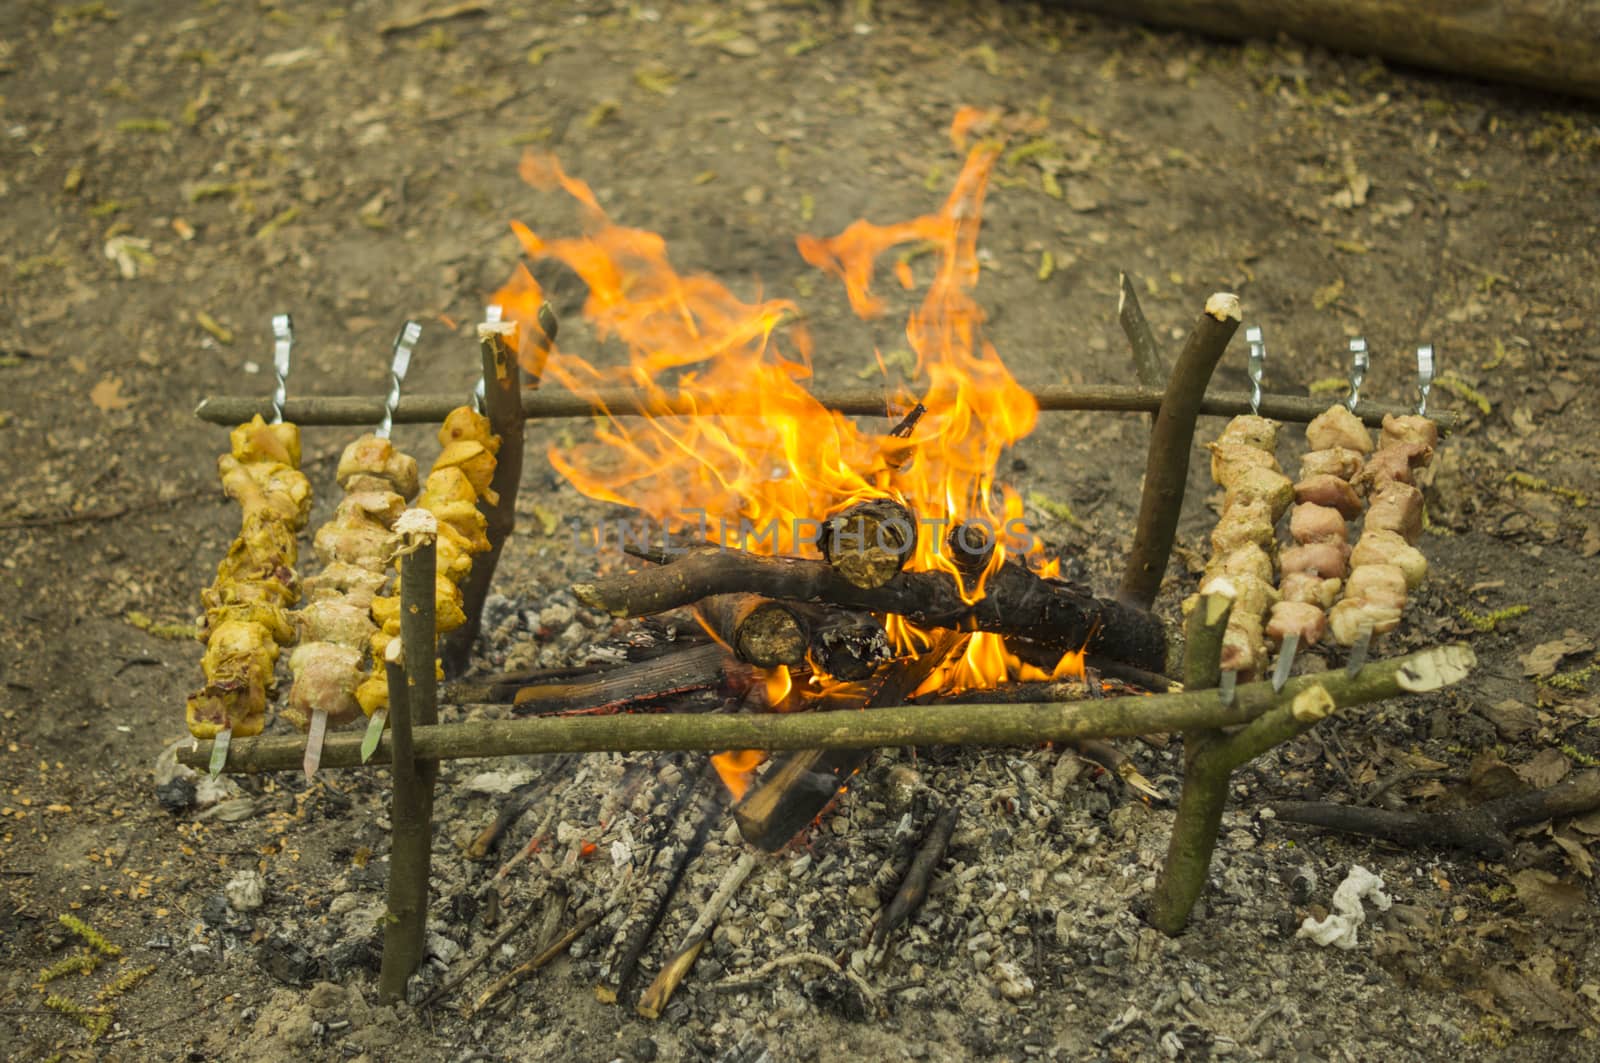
1531,995
1548,767
1577,853
1548,897
1326,296
107,395
1543,659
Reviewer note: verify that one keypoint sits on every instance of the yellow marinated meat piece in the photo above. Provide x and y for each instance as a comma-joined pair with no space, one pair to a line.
258,441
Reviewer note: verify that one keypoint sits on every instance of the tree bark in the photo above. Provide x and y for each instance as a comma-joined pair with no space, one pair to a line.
1544,44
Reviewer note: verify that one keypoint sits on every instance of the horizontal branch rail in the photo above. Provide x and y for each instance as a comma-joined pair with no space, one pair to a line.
858,402
992,725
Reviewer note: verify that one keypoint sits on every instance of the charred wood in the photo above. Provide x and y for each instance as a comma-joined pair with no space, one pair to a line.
870,542
914,890
759,630
703,667
803,784
654,999
1483,829
1017,601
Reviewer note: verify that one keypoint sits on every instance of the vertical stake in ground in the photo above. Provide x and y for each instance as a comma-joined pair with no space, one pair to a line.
1167,467
412,700
501,402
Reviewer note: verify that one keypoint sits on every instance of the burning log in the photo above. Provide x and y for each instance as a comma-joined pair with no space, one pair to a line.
914,889
795,792
1017,602
758,630
859,402
912,725
698,668
840,643
870,542
690,822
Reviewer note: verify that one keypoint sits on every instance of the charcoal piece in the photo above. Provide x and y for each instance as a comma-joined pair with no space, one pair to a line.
286,961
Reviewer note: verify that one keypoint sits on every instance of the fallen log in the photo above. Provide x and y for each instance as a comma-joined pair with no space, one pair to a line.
1545,44
910,725
1017,601
1482,829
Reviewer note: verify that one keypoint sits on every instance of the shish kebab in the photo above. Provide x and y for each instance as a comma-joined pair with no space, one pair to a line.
336,622
460,477
245,620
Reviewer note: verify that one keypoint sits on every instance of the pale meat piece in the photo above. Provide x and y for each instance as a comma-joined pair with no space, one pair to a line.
1248,523
1310,589
1408,428
1346,619
1323,560
372,456
337,620
1335,461
257,441
465,423
1296,618
1325,489
1248,561
1311,523
1382,548
1258,483
354,542
1396,507
267,490
1229,459
1338,427
1392,464
384,507
1243,649
1382,584
325,677
357,583
1252,431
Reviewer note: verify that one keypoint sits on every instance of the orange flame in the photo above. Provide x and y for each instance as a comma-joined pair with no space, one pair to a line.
732,445
737,767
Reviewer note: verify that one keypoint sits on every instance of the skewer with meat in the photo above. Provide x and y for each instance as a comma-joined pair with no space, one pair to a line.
1314,568
1386,563
459,479
246,619
1243,544
336,623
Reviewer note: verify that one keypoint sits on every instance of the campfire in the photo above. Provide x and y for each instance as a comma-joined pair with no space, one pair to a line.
838,551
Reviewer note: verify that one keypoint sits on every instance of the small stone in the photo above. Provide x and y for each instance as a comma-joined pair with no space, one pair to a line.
286,961
325,996
1012,981
442,948
351,955
556,617
175,795
645,1049
741,46
246,891
214,910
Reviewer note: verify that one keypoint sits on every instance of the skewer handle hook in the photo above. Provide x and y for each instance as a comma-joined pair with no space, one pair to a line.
1258,361
1424,377
1359,361
398,365
283,336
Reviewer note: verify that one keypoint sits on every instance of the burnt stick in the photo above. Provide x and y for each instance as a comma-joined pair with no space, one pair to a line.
704,667
1017,602
759,630
914,889
417,408
804,783
844,643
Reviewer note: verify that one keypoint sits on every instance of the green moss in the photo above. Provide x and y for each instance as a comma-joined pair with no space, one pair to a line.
1535,483
89,934
1487,622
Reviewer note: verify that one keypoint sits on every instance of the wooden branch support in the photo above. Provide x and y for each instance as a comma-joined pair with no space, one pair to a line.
419,408
1166,470
910,725
412,699
1016,601
1148,362
502,384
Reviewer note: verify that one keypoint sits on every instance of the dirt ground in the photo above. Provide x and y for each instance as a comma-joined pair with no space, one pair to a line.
173,174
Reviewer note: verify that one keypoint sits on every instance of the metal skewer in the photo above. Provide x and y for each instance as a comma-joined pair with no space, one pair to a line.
1286,652
1358,372
398,364
283,336
1358,651
1424,377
